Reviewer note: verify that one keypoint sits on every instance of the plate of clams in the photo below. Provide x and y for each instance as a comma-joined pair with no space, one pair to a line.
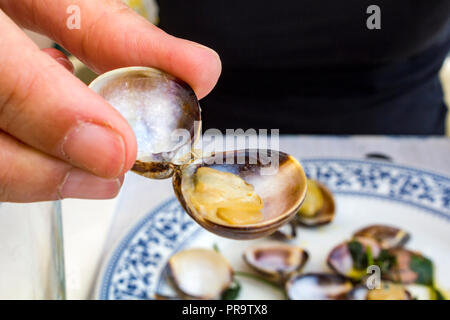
312,229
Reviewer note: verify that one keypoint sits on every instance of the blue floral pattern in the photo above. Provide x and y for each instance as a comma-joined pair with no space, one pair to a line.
136,265
424,189
143,253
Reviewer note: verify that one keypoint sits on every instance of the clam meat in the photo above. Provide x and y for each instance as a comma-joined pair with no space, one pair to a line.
223,197
237,200
318,207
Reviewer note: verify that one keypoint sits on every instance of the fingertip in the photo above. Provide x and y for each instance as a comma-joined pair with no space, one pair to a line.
209,71
196,64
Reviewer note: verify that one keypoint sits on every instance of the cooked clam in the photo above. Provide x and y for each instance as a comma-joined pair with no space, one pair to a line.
200,273
267,203
275,260
235,199
387,291
387,236
409,267
318,286
318,207
351,258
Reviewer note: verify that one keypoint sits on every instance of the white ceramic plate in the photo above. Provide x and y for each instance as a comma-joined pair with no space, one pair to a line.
366,192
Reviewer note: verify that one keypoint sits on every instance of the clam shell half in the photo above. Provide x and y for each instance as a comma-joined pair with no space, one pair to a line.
340,259
163,112
387,236
275,260
282,192
323,216
200,273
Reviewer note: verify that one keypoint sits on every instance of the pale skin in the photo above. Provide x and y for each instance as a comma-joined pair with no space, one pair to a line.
58,139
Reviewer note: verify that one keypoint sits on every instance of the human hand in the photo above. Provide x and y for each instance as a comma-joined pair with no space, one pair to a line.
58,139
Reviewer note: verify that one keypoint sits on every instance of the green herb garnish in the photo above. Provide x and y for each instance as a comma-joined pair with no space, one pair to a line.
423,267
385,261
358,254
233,291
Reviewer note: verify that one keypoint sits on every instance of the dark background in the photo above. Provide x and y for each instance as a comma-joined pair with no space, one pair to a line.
308,66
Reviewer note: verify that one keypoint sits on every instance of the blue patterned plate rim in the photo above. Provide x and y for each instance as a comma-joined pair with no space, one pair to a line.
384,163
102,294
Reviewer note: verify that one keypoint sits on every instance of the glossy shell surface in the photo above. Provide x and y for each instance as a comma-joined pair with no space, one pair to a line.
282,192
275,260
318,286
163,112
200,273
326,213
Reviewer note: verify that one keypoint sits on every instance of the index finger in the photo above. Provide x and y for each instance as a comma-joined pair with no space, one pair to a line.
111,36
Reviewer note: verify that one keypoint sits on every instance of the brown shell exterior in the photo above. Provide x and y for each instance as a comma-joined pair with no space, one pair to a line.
280,276
154,170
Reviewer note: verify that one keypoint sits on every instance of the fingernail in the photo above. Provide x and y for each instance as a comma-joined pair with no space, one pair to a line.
95,148
207,77
83,185
65,63
198,45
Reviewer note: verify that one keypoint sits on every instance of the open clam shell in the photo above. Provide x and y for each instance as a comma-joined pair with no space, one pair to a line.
200,273
341,259
387,236
276,261
324,214
318,286
163,112
281,192
409,267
